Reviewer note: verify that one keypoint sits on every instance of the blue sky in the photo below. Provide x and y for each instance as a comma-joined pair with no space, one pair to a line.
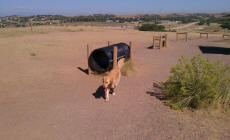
70,7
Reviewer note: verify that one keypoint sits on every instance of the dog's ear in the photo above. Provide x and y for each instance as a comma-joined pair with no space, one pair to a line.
111,83
110,86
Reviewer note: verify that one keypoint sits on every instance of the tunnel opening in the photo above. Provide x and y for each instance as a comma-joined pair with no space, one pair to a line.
101,60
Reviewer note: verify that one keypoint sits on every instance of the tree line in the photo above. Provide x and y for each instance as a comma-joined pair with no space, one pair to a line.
202,18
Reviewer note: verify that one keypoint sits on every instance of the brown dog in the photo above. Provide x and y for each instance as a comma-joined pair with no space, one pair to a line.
112,79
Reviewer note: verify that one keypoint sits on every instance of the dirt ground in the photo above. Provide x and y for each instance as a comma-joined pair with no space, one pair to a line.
49,96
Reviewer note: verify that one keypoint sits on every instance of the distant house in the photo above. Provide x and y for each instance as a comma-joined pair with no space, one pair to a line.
109,21
168,22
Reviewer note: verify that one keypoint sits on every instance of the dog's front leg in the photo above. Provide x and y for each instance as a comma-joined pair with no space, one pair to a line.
114,90
107,95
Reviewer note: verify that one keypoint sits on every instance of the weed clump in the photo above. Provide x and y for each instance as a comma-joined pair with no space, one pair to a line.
32,54
128,66
198,83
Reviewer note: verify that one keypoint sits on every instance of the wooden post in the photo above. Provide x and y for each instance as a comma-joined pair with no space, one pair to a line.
153,41
31,24
131,50
114,57
166,40
176,36
186,36
204,34
108,43
88,54
225,35
160,41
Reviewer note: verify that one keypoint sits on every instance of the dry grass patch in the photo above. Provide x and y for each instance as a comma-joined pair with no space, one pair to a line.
12,32
32,54
128,66
226,41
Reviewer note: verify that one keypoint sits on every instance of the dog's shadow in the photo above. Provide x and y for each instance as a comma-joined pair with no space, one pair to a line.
99,93
86,71
150,47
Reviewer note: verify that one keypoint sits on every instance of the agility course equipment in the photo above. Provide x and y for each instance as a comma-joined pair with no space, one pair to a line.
225,35
206,34
104,59
162,41
185,34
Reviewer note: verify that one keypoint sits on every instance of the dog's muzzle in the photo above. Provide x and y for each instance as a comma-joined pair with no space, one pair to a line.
106,89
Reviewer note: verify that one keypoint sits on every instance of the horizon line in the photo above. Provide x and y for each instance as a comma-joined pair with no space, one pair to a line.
149,13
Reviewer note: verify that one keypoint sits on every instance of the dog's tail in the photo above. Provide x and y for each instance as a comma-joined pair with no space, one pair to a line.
121,63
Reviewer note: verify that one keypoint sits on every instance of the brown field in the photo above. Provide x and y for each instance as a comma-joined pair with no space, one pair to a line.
45,96
214,28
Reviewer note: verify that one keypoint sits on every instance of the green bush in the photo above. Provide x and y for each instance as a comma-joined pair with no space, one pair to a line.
202,22
151,27
198,83
226,25
172,30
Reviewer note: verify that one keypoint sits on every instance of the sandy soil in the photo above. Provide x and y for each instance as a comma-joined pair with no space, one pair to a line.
48,97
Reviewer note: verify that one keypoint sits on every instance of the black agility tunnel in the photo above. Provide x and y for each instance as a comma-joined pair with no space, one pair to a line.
101,60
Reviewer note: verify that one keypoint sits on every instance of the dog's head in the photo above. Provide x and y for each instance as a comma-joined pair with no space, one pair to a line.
106,82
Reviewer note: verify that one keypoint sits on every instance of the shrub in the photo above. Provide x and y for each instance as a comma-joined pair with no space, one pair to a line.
32,54
198,83
202,22
172,30
151,27
226,25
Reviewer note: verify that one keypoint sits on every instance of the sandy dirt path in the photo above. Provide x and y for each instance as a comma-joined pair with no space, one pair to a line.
184,26
46,96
